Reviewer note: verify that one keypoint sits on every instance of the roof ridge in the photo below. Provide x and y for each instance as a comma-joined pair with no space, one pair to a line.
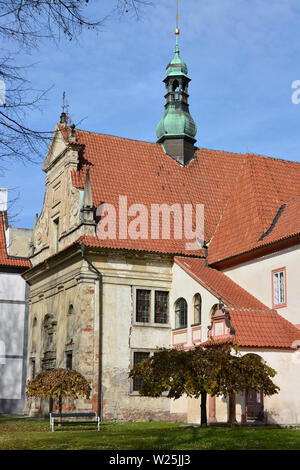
118,137
268,157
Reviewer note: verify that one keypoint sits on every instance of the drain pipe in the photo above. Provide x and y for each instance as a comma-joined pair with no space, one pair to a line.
100,368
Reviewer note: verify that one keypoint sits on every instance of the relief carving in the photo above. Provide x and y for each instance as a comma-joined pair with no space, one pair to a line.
74,207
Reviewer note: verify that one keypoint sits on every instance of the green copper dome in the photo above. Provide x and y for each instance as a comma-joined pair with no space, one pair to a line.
176,122
177,66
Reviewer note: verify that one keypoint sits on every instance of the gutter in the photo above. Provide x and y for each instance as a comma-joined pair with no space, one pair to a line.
100,359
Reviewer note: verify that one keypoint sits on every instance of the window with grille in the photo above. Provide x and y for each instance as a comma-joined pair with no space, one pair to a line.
138,357
279,293
197,309
143,302
161,307
181,313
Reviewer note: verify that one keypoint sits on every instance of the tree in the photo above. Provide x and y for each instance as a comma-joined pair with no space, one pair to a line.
23,24
215,370
58,384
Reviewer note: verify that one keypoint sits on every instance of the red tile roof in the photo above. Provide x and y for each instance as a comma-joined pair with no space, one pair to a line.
5,259
146,175
254,215
242,194
254,323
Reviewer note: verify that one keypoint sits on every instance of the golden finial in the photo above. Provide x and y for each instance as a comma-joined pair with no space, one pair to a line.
177,31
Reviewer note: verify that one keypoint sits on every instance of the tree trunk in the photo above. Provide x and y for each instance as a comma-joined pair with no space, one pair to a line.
60,405
232,409
203,410
60,408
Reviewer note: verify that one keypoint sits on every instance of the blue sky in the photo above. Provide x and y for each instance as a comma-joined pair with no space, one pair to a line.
243,56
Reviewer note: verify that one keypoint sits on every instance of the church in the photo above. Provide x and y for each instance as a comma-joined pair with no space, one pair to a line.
145,245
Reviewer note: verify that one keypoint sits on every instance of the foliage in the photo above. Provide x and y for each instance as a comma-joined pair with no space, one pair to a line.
58,384
215,370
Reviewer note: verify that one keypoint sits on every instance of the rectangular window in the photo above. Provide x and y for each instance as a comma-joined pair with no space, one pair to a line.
161,307
143,303
279,288
138,357
69,357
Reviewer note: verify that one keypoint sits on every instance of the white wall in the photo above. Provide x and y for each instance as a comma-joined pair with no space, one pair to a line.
255,277
185,286
13,338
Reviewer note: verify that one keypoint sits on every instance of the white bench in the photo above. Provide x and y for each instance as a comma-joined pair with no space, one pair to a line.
81,418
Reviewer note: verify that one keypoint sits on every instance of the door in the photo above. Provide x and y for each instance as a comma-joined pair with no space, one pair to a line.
254,405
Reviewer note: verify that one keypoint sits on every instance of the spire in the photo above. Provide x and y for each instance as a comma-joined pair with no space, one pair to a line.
176,130
87,209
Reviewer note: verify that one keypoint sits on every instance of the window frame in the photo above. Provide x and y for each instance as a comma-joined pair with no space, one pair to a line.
277,271
181,326
138,351
158,292
135,305
151,352
151,322
198,323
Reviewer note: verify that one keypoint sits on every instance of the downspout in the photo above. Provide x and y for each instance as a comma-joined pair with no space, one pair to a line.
100,368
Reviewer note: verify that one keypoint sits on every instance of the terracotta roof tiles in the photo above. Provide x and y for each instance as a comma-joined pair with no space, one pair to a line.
5,259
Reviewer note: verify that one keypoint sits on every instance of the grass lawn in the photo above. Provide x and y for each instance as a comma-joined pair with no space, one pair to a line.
25,433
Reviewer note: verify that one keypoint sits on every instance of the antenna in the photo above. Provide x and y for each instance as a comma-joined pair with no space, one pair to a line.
65,116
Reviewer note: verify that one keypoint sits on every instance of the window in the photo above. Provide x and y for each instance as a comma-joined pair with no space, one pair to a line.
181,313
143,301
161,306
69,357
197,309
34,335
70,325
279,288
138,357
56,233
32,369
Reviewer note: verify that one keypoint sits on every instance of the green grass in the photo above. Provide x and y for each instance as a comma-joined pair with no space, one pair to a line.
25,433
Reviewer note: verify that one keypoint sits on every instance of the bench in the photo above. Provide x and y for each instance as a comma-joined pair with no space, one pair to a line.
69,418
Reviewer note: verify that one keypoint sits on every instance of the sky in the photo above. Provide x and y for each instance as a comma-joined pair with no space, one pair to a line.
243,56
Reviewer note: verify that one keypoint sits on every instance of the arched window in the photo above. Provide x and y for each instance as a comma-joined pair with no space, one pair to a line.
180,313
197,309
175,85
212,312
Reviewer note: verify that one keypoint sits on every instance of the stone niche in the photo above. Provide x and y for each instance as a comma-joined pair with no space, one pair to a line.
49,342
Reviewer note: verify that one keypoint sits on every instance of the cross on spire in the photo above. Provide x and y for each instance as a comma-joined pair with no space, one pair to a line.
65,117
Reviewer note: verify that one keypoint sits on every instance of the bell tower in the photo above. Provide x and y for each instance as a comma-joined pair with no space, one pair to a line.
176,130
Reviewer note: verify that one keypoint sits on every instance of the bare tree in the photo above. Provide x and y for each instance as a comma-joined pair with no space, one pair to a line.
23,23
